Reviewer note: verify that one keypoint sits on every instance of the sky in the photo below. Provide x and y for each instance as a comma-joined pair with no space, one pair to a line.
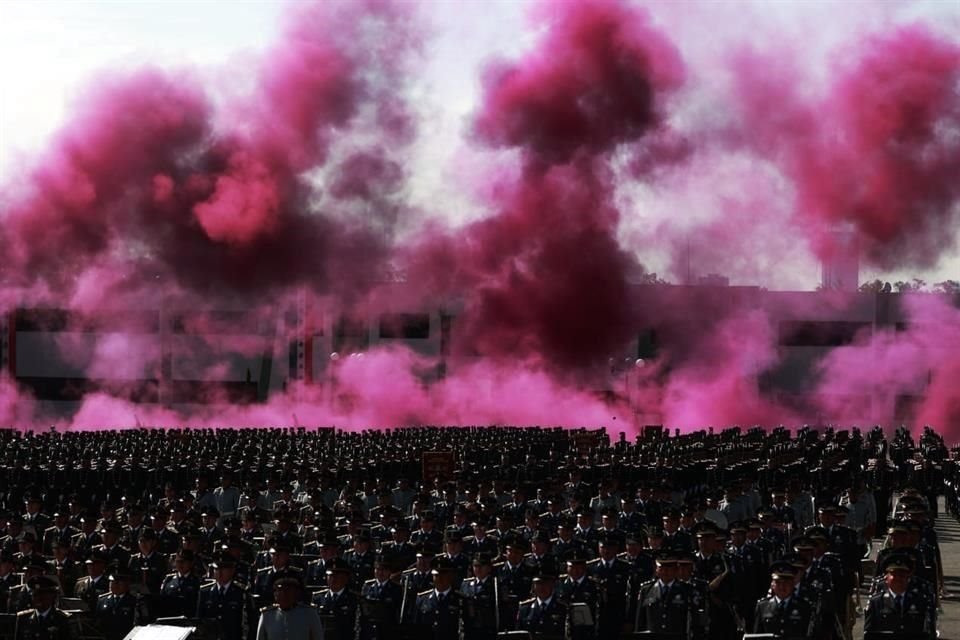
51,50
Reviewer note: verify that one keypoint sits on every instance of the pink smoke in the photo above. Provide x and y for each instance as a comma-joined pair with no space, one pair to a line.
875,150
156,195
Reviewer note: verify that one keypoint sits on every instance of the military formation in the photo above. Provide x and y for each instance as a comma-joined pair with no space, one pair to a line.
558,534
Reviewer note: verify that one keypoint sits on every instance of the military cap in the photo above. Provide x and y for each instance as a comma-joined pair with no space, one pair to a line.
97,555
738,526
280,546
517,542
453,536
575,556
211,512
120,573
671,513
667,558
546,572
42,584
26,536
223,561
540,536
803,542
899,527
483,558
363,535
148,534
113,527
897,562
611,540
286,582
338,565
426,551
442,565
186,555
685,557
783,571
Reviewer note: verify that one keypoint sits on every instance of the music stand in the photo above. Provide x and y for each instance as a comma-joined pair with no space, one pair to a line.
159,632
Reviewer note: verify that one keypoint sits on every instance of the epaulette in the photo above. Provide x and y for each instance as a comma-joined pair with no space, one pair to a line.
170,575
594,561
370,581
264,570
209,584
554,540
26,612
265,609
406,571
527,601
103,595
425,593
497,565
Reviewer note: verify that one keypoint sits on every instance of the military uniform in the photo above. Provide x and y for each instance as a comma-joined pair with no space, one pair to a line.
340,612
585,591
664,609
480,615
178,595
380,610
613,581
789,619
438,615
300,622
149,571
55,625
118,614
912,612
548,619
90,590
230,607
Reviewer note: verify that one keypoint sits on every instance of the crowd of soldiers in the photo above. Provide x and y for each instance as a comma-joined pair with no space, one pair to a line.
259,534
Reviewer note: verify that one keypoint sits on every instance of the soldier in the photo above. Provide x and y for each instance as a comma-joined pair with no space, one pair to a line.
180,590
280,567
316,573
60,530
673,538
783,613
116,554
664,605
544,615
225,600
360,558
514,579
576,587
96,583
481,612
437,611
134,527
629,519
565,543
613,577
380,603
337,604
8,580
44,621
902,606
427,533
418,577
21,596
34,520
480,542
118,611
719,570
454,553
66,569
149,565
753,579
585,531
288,617
400,548
700,597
